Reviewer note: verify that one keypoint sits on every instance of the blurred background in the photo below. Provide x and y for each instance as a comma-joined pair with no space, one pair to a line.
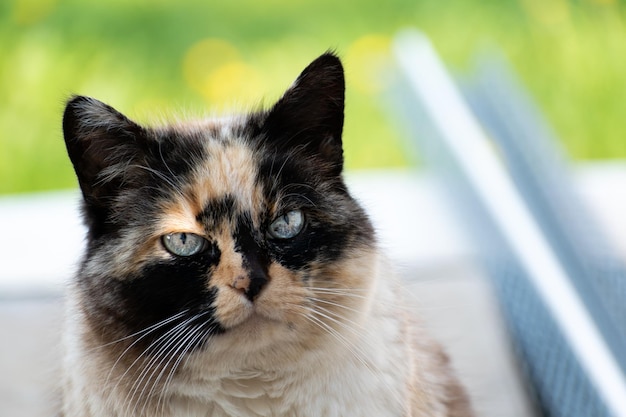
157,58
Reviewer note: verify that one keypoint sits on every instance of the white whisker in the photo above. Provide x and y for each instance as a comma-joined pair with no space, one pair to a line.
145,330
199,335
356,350
174,187
181,345
163,343
342,306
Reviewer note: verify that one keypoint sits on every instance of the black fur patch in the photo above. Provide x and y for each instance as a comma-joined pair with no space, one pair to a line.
217,211
161,290
333,220
112,155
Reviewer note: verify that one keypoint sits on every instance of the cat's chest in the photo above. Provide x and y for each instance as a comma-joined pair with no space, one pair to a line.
261,395
247,394
288,395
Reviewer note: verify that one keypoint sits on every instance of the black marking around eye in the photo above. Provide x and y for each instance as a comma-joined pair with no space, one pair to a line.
318,241
334,221
161,290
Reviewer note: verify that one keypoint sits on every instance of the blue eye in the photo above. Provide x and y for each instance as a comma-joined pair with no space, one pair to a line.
287,226
184,244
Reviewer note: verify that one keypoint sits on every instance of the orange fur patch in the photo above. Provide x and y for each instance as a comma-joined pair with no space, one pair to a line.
230,169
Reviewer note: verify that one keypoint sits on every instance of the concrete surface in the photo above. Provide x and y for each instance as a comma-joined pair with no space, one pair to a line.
30,355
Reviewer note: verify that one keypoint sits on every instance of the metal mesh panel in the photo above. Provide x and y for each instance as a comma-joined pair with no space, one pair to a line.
541,173
562,380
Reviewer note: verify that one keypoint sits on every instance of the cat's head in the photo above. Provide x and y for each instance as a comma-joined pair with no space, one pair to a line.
238,230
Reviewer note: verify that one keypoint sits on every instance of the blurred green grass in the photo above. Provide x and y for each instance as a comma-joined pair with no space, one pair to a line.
186,57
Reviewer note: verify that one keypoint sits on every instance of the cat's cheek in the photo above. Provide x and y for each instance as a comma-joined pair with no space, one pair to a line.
284,298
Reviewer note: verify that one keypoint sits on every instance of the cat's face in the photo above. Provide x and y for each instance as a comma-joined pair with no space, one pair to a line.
238,229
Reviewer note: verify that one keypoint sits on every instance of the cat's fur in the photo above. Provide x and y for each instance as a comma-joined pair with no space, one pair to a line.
252,325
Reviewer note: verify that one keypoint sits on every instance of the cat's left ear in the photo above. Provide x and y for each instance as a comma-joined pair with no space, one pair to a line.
102,145
309,116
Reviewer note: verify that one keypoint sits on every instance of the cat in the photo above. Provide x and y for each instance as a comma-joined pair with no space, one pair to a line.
229,272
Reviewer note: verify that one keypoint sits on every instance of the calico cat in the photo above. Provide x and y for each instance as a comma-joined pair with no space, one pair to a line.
228,272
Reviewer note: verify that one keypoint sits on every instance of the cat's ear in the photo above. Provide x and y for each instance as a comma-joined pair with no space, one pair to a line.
102,143
309,116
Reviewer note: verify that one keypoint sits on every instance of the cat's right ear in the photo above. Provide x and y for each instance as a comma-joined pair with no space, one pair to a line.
101,143
308,118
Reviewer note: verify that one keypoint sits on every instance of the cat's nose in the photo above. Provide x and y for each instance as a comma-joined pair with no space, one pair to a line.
251,285
256,285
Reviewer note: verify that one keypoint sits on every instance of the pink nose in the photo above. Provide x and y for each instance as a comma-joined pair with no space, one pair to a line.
251,287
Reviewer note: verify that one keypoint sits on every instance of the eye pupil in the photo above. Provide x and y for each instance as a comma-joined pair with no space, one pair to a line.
183,244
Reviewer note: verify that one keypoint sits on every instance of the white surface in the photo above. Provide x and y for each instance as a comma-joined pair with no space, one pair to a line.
603,187
42,241
475,156
414,223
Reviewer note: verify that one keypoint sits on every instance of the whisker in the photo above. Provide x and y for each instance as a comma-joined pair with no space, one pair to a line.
410,307
341,290
175,187
302,185
302,196
147,330
357,351
163,160
337,319
200,335
345,307
181,345
163,343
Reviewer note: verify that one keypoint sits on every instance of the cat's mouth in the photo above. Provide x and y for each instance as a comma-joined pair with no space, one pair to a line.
279,305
